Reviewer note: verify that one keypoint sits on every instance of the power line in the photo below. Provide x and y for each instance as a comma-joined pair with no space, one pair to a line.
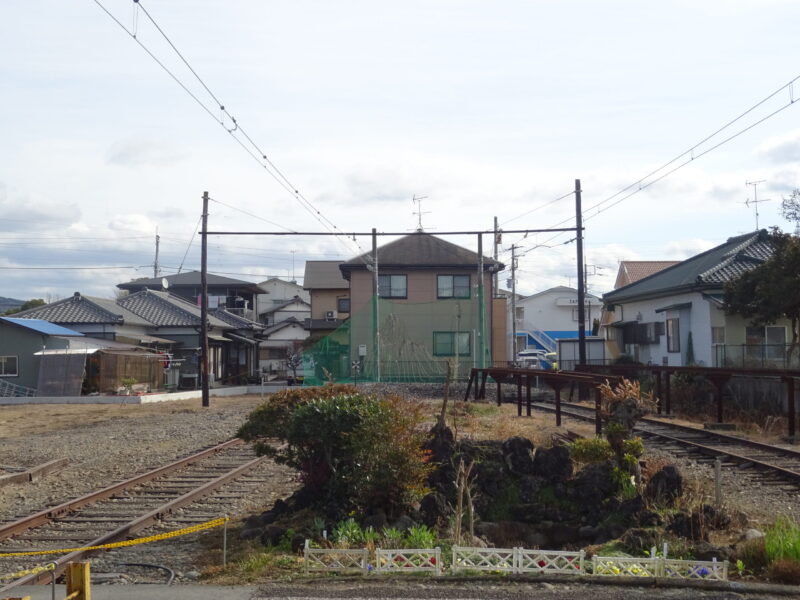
196,227
553,201
267,164
72,268
249,214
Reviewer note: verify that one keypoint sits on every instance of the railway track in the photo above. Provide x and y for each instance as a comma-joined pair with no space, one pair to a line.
768,464
189,491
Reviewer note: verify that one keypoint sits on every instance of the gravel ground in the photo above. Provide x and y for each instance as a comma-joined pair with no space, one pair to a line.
110,443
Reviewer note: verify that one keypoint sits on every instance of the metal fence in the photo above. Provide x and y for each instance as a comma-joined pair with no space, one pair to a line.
756,356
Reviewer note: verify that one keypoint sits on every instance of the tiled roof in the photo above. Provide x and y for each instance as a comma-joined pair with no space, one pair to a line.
278,326
40,326
190,279
276,307
79,309
166,310
631,271
235,320
421,250
707,270
324,275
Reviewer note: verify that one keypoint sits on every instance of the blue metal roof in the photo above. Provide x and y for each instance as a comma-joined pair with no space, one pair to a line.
41,326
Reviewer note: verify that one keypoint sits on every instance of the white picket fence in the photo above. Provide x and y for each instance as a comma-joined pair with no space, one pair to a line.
710,570
516,560
507,560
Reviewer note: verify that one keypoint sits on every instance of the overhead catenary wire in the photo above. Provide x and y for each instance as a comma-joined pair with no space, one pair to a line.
255,152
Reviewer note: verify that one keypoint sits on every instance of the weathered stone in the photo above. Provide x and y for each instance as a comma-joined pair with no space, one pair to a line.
588,532
561,534
537,539
704,550
649,518
434,509
404,523
591,486
553,464
377,521
665,486
518,455
440,443
640,540
272,535
753,534
253,521
529,486
298,541
250,533
268,516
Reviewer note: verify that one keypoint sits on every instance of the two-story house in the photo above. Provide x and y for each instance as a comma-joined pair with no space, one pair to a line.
329,293
435,304
237,296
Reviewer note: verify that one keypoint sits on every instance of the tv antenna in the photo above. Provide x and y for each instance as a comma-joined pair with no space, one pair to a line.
419,212
755,201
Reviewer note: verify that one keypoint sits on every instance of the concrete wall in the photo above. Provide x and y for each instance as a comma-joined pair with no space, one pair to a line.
323,301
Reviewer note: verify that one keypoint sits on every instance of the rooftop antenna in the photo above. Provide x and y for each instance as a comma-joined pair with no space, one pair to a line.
156,270
755,201
419,212
293,280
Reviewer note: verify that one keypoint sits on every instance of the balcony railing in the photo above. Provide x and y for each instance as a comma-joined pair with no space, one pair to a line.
756,356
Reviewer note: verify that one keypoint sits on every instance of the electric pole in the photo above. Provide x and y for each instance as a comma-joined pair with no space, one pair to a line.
204,304
155,262
581,282
513,303
497,240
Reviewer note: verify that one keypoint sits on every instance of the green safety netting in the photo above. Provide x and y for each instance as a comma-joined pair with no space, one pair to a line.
391,341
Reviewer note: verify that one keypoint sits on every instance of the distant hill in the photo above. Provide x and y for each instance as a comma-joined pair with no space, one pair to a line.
7,303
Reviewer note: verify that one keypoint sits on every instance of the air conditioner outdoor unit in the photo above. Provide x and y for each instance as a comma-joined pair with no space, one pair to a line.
330,315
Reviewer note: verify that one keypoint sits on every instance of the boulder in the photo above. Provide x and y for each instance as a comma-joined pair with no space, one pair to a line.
404,523
552,464
639,541
377,521
665,486
753,534
440,443
272,535
298,542
704,550
591,486
434,509
518,455
529,488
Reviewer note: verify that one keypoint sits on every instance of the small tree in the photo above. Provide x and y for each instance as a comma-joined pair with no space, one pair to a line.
790,209
25,306
771,291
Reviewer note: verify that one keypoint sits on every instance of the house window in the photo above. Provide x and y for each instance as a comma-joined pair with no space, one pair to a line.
575,314
673,335
392,286
444,343
452,286
343,305
520,313
717,335
771,338
8,366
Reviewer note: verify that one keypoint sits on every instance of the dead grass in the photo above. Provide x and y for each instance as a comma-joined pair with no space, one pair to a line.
17,421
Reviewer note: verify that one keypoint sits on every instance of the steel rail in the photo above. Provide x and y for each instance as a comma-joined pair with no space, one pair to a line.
135,525
13,528
704,449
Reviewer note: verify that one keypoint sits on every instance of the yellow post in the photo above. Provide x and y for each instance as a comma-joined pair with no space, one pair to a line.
79,583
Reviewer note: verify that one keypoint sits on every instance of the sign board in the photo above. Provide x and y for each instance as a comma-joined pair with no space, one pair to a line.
362,349
574,301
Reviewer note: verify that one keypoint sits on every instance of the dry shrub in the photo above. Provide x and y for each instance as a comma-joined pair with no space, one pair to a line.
753,554
653,464
785,571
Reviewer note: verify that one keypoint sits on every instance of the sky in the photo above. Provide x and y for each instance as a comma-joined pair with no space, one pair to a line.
484,109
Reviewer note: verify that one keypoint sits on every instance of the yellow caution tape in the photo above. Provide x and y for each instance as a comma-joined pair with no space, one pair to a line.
31,571
153,538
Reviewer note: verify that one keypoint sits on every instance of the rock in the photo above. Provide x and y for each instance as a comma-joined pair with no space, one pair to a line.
280,507
377,521
518,455
268,516
649,518
272,535
665,486
441,443
553,464
591,486
404,523
191,575
561,534
640,540
253,522
529,486
298,542
250,533
588,532
753,534
434,509
704,550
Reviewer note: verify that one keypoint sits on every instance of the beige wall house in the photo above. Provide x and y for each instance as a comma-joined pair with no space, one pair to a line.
329,294
432,308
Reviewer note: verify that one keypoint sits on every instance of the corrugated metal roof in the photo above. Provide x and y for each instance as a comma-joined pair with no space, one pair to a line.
41,326
707,270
